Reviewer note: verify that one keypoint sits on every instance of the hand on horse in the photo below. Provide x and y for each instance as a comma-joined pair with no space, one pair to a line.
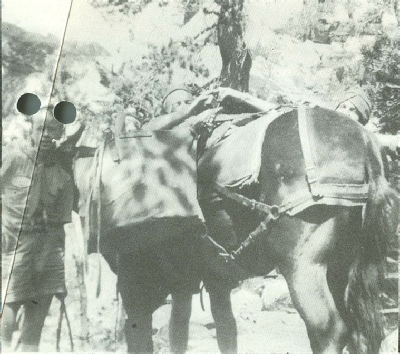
202,103
234,101
226,94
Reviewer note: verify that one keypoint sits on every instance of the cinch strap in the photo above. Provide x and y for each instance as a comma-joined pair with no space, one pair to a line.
311,171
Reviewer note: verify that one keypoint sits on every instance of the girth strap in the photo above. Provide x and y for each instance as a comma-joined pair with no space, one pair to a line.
311,171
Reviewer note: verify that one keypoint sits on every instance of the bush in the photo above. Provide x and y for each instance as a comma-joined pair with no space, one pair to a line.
141,88
382,64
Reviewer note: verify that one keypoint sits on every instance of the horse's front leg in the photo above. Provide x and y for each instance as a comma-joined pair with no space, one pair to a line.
225,322
179,321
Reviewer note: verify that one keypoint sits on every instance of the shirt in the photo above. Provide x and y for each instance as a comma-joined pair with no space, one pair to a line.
36,196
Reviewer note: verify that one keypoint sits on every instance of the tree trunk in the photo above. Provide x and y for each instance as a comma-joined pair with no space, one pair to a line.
236,58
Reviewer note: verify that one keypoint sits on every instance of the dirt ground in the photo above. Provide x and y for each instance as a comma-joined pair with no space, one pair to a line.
260,330
267,321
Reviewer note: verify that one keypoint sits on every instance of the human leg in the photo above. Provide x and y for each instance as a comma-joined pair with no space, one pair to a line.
179,321
9,324
137,297
35,314
225,323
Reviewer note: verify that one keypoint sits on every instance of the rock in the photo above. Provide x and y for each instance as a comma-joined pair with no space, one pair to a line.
276,295
342,31
254,285
264,15
361,10
260,81
246,307
198,315
245,300
352,45
161,317
389,21
199,332
340,13
390,343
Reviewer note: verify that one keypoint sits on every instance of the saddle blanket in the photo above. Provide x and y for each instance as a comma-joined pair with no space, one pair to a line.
232,155
337,157
150,176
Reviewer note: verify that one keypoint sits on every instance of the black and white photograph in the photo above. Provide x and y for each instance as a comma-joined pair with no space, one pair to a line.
200,176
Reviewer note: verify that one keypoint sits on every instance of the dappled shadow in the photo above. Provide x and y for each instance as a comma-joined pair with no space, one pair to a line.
154,178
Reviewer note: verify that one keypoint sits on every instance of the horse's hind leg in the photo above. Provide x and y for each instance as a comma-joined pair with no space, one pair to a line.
306,275
339,268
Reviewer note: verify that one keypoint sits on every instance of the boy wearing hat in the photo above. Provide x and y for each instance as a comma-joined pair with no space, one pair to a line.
357,106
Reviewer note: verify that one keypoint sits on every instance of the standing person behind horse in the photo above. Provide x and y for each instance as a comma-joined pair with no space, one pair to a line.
36,207
134,268
176,107
357,106
147,275
177,100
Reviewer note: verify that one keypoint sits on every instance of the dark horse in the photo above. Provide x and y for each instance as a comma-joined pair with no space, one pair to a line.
328,236
331,246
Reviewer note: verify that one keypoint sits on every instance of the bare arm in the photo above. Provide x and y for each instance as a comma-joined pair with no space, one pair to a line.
171,120
240,102
166,121
231,101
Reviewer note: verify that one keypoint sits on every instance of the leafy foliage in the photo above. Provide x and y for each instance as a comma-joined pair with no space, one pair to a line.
141,88
382,63
126,7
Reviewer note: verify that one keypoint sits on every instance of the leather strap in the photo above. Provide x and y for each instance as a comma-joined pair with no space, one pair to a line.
311,170
137,134
114,150
273,210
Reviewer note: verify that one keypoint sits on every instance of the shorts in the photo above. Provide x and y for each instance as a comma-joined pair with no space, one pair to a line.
147,276
36,268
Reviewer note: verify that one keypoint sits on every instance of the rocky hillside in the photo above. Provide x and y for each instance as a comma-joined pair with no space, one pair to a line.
128,55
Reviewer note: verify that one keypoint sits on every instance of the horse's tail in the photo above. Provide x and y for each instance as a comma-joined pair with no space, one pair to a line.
368,271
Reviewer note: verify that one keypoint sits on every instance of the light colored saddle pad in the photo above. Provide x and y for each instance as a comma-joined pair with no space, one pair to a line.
232,157
155,177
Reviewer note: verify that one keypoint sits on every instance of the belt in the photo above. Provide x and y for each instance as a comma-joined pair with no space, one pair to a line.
41,227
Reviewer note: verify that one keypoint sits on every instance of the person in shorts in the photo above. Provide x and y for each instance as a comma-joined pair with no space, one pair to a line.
37,201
